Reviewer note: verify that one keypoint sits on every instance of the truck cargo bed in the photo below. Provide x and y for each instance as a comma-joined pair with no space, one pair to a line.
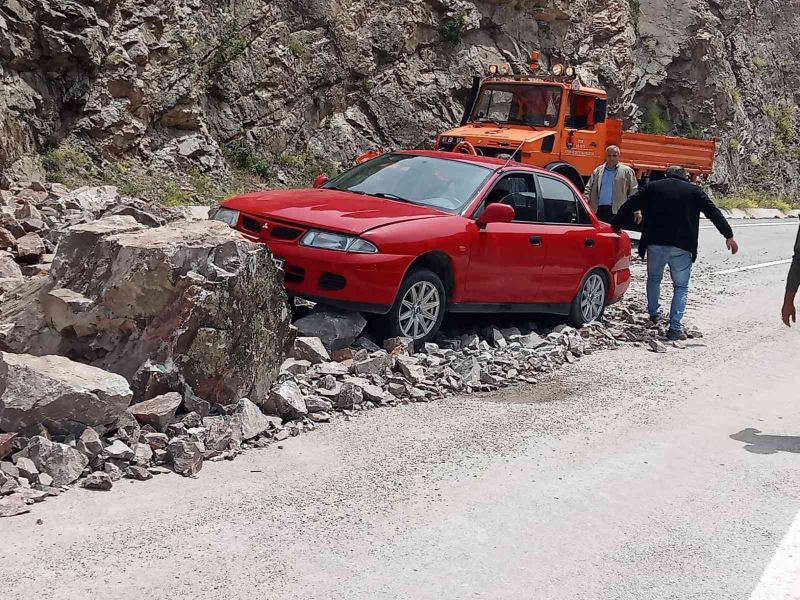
646,153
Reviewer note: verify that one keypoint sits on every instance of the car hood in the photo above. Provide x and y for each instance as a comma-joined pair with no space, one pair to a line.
333,210
487,134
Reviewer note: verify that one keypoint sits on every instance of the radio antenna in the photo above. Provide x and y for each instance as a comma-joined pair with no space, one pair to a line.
525,141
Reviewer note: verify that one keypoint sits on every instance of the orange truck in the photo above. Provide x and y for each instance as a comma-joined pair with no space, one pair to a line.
550,120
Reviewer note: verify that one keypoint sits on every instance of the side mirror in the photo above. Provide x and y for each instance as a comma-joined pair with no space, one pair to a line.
321,180
495,213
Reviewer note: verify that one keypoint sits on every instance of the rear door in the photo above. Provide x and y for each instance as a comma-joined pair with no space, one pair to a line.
506,259
570,238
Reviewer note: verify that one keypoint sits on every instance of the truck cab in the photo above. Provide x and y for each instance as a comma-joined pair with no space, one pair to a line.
551,124
551,120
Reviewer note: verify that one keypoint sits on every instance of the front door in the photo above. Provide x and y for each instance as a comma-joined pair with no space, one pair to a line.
506,259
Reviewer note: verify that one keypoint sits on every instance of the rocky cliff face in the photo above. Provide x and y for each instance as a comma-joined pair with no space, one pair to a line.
181,85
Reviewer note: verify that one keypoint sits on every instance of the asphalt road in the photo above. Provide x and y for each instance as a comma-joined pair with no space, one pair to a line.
629,475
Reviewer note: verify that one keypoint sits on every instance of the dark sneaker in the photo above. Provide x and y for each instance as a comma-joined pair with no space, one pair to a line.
654,319
673,335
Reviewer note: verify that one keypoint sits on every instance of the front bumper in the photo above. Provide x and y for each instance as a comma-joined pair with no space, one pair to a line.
347,280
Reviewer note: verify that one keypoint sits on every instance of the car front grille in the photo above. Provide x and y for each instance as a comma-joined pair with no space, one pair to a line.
285,233
251,224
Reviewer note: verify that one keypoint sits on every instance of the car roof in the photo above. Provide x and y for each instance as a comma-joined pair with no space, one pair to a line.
486,161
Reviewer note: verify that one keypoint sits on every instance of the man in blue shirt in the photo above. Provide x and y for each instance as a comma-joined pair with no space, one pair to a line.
611,184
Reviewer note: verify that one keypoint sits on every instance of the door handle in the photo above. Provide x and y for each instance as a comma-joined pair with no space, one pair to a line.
536,240
588,242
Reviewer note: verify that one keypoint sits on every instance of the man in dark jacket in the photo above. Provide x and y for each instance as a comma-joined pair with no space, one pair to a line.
789,313
670,229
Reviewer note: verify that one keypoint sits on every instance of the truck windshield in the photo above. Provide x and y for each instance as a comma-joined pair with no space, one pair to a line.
445,184
519,103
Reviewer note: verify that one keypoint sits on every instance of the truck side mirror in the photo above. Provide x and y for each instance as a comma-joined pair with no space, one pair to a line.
495,213
321,180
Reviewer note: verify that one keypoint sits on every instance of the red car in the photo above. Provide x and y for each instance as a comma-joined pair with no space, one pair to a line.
412,235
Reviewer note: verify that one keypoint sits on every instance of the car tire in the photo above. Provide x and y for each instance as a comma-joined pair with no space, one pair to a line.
419,291
591,300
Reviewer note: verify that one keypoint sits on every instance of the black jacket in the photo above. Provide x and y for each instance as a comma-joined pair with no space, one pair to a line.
671,210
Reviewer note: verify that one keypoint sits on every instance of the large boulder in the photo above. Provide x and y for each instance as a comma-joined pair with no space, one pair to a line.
59,393
336,329
63,463
188,307
157,412
9,269
254,422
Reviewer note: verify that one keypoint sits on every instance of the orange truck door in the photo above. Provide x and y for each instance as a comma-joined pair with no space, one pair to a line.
583,142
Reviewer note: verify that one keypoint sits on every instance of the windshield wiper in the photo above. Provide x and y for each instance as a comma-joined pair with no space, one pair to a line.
491,122
390,197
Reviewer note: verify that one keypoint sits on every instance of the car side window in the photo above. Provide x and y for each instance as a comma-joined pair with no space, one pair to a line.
559,204
517,190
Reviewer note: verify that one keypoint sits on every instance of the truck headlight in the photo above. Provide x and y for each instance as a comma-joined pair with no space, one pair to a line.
228,216
329,240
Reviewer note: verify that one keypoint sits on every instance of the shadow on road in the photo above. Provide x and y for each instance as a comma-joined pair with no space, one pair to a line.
757,443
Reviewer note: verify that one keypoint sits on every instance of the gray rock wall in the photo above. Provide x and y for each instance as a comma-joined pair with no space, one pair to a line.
170,82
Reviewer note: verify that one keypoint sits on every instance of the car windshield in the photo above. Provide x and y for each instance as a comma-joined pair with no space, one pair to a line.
436,182
518,103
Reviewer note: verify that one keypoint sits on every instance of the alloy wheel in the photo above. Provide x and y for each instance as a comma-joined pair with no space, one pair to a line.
593,297
419,310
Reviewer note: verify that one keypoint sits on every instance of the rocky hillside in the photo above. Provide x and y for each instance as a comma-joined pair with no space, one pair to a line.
237,93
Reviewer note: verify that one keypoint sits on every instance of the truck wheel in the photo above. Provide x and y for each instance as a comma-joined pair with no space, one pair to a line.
590,301
418,310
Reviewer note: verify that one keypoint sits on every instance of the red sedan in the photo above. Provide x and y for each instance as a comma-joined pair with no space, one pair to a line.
412,235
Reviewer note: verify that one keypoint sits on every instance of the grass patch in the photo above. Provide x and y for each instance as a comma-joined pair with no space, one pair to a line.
297,47
654,122
754,199
452,29
174,195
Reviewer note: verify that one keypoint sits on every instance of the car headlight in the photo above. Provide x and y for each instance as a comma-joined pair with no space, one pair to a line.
226,215
337,241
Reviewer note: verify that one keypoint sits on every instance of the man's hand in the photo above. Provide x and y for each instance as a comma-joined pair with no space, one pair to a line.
732,245
637,217
788,313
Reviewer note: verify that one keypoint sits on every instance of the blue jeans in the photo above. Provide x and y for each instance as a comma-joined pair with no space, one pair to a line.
680,269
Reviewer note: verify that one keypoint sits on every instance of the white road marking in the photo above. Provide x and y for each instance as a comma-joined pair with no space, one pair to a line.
737,226
774,263
781,579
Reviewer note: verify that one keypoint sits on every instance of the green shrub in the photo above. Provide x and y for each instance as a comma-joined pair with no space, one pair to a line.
452,29
173,195
654,122
783,117
734,145
241,155
368,85
760,62
70,166
297,47
296,161
231,46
